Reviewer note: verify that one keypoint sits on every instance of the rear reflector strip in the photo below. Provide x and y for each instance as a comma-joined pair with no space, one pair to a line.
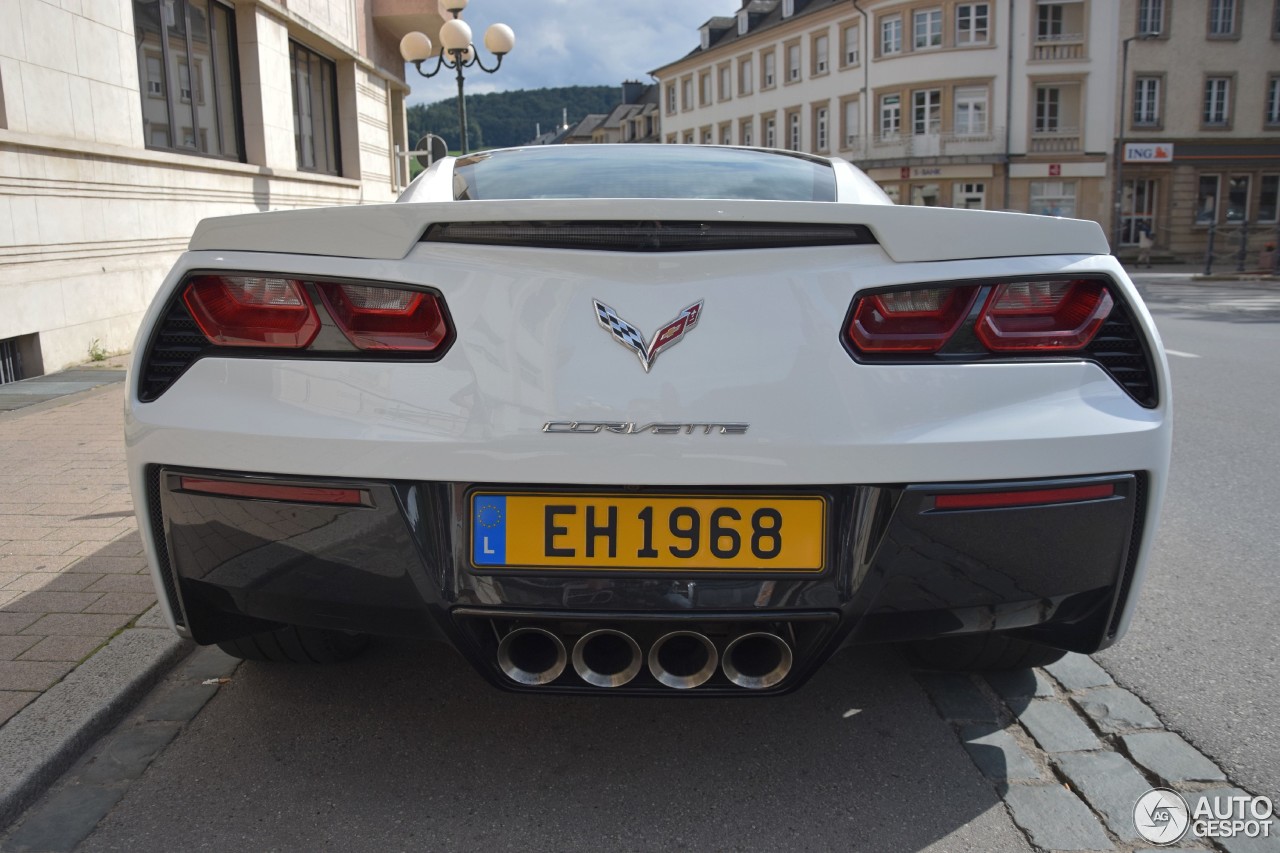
996,500
276,492
649,236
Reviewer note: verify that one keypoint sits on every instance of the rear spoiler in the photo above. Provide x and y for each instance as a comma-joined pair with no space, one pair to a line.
907,234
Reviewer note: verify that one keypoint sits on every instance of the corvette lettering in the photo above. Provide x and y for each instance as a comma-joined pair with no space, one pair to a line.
633,428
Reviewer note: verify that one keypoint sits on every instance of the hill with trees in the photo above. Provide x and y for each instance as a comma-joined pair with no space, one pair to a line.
501,119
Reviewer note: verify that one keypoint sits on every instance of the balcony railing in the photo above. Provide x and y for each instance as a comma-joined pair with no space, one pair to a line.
898,146
1058,47
1060,139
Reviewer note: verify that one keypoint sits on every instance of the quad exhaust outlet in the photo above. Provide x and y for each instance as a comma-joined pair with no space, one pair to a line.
680,659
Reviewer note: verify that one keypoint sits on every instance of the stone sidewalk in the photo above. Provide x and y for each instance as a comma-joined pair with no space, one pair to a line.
72,574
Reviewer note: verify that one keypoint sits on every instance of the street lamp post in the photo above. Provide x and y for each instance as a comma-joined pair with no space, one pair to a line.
455,43
1117,226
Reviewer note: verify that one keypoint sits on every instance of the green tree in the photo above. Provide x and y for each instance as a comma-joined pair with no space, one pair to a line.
502,119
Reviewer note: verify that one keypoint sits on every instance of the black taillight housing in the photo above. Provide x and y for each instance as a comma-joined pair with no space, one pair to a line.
1003,320
232,314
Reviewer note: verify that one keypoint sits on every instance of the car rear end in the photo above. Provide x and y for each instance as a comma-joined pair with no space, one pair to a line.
879,424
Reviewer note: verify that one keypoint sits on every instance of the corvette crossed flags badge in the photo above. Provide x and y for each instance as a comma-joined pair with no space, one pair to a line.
631,338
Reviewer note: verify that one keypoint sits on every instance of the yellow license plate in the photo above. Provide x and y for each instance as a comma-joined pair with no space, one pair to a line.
641,533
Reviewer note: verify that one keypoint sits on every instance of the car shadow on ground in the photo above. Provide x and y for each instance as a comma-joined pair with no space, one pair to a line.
408,747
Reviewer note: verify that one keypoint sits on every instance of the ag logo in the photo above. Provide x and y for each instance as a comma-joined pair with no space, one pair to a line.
1161,816
631,338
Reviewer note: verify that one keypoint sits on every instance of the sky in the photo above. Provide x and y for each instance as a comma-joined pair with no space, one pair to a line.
575,43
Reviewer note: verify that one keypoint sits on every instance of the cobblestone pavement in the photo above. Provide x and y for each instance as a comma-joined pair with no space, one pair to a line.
1070,752
72,572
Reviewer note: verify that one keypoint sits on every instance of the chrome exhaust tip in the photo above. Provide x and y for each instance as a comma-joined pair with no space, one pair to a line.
607,658
683,659
531,656
757,660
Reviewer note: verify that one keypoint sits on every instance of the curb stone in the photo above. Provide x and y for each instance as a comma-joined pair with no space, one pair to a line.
39,743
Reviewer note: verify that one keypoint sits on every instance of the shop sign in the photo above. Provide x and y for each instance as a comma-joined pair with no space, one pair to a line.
1148,152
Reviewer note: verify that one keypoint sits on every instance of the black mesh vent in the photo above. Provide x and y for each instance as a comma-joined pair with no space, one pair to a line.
1120,350
176,343
649,236
162,546
1135,542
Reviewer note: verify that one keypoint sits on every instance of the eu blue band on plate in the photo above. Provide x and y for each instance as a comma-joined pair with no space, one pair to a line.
489,530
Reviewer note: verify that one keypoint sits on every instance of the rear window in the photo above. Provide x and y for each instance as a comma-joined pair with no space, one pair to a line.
642,171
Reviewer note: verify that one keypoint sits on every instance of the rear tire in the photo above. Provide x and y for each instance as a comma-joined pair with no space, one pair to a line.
296,644
980,652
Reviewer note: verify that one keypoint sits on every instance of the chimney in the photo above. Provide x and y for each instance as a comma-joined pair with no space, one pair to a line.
632,90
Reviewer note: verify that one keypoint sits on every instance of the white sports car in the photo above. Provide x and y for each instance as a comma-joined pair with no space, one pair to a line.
649,419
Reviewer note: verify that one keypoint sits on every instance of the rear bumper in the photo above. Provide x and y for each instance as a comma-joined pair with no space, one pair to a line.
397,564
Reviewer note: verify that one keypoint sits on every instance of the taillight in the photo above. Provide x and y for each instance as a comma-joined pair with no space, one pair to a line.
910,321
386,318
252,311
1043,316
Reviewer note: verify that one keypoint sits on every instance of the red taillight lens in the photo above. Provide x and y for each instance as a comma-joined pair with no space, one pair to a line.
1043,315
252,311
386,318
918,321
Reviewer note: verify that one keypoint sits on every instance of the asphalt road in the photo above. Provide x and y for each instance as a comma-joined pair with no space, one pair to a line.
407,748
1204,645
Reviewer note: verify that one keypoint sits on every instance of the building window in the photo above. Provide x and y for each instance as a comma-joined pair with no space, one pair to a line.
1053,198
1238,198
793,131
688,137
315,110
1267,198
1217,101
1207,200
743,22
969,196
926,112
1146,102
770,132
788,8
793,63
927,29
849,45
1049,22
1048,109
704,88
973,22
726,82
744,132
1272,113
851,122
1222,18
821,46
671,99
820,118
706,136
891,36
890,116
744,76
1150,16
768,68
188,64
970,111
726,134
686,93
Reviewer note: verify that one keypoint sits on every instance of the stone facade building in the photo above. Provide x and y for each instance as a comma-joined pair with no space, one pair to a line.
1202,126
125,122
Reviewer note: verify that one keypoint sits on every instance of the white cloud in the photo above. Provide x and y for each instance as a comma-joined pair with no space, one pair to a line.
577,42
